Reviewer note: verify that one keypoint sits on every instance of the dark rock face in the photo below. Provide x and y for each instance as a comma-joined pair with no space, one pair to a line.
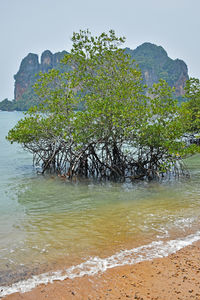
30,67
46,61
26,74
183,76
152,60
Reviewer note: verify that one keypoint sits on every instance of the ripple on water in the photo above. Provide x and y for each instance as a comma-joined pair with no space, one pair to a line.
44,220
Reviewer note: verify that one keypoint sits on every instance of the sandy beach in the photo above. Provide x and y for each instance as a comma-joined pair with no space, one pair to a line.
174,277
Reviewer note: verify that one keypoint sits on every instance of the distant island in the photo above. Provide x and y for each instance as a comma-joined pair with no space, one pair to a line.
151,59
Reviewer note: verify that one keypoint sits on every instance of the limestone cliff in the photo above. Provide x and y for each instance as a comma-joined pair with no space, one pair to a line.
152,60
26,75
155,64
30,67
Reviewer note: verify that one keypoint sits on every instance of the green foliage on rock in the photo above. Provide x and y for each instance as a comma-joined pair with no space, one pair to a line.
21,104
120,134
7,105
155,64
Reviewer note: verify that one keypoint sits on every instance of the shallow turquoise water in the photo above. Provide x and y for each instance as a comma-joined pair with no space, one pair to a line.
46,221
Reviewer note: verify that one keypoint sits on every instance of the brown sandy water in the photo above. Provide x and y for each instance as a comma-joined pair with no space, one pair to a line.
48,224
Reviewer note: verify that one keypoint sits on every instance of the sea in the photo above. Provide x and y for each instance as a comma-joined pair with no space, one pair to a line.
52,229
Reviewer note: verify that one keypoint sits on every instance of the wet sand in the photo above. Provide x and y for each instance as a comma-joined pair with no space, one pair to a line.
174,277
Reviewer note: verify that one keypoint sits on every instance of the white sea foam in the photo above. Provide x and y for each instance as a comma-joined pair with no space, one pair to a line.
95,265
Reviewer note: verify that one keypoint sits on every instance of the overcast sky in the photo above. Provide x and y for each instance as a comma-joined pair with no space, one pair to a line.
36,25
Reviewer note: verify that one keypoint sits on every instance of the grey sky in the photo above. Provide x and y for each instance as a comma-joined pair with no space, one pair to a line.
36,25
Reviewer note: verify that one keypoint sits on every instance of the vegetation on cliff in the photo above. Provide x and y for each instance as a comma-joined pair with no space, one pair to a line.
155,64
122,133
7,105
152,60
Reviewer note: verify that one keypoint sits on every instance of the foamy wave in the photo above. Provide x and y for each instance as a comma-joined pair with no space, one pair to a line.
95,265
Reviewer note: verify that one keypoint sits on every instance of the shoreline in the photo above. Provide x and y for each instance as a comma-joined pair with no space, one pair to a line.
176,276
